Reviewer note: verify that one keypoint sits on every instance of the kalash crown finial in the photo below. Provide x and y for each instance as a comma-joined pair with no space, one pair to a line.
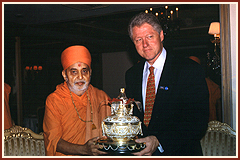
122,94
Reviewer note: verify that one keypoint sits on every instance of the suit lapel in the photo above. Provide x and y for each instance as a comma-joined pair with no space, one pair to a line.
166,82
165,87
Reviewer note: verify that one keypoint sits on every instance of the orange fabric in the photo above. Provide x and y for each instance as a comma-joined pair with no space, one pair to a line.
7,115
75,54
196,59
214,95
61,119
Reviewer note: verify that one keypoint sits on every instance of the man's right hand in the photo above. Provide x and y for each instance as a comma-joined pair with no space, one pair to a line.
151,146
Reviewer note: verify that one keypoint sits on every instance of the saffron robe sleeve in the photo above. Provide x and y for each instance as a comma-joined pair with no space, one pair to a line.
7,115
62,121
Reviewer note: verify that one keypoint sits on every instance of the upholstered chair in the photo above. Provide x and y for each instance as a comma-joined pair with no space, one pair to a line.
220,140
19,141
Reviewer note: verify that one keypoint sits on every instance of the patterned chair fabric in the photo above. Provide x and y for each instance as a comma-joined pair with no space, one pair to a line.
19,141
220,140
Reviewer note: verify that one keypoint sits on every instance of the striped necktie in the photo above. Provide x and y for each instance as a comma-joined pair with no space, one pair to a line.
150,96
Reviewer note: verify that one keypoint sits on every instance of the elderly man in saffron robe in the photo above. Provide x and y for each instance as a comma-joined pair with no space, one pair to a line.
75,110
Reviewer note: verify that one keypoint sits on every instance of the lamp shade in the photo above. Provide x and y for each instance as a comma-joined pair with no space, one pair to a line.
214,29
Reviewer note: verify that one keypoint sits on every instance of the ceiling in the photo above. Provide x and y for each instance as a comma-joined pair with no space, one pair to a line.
101,27
94,25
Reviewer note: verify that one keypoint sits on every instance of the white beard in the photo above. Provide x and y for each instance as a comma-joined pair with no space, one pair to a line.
75,89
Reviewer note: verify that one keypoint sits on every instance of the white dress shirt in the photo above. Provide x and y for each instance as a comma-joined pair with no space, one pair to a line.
158,67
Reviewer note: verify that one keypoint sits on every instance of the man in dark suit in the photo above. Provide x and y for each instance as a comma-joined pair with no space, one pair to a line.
179,117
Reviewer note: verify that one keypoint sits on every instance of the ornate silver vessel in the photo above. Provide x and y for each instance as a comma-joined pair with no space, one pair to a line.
121,128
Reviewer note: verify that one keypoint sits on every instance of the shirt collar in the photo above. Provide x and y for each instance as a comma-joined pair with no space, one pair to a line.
158,64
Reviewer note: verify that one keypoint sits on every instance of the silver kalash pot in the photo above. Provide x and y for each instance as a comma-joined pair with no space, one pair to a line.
121,128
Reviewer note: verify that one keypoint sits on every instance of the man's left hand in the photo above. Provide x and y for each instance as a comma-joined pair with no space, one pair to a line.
151,145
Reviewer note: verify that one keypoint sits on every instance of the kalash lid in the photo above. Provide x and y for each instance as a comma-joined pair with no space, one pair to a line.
121,105
122,98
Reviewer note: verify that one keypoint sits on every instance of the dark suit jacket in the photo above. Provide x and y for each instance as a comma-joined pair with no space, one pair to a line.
180,113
